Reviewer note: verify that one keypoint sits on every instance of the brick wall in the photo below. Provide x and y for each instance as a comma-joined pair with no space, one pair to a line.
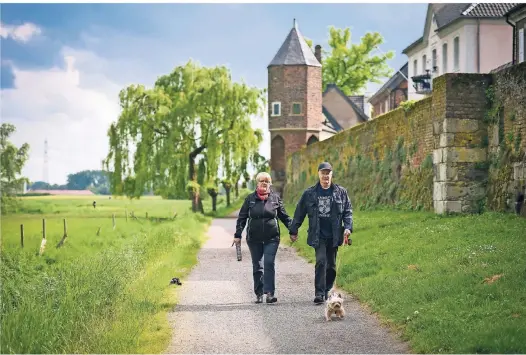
462,149
386,160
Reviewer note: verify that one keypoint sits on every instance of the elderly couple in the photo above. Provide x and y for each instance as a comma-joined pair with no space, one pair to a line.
330,223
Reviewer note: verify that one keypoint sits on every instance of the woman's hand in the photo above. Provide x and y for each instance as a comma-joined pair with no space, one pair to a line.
236,241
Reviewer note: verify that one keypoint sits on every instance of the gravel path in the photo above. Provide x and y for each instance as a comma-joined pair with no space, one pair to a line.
216,312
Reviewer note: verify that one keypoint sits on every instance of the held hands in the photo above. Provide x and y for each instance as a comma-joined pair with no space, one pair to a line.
293,237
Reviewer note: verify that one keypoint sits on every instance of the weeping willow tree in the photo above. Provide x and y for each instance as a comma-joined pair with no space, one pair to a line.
192,112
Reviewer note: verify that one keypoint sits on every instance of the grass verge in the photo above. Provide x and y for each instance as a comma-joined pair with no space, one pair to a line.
106,293
449,284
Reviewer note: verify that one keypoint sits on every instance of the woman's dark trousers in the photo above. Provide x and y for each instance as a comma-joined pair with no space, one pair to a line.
263,259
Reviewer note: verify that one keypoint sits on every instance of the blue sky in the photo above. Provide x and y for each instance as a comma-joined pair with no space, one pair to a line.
60,78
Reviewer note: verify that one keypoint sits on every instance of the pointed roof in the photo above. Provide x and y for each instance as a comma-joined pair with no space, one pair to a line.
295,51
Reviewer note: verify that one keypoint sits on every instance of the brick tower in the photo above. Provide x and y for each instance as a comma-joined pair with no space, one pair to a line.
294,102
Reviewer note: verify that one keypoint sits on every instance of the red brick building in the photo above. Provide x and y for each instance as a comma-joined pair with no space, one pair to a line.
391,94
299,112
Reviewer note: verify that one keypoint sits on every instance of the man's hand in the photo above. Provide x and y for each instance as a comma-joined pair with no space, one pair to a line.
293,237
236,241
346,239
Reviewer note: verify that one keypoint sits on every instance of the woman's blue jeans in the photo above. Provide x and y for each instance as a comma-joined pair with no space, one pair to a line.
263,260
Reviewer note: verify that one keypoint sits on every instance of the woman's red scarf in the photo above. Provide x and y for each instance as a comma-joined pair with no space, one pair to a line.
262,193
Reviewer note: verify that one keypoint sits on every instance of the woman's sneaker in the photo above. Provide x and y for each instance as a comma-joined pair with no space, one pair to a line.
271,298
259,299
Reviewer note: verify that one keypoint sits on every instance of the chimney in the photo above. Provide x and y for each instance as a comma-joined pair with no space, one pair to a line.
317,52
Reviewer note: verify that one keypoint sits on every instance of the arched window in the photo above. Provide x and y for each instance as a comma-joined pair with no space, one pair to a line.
277,158
312,139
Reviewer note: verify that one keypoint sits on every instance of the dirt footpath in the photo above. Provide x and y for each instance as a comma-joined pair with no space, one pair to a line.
217,314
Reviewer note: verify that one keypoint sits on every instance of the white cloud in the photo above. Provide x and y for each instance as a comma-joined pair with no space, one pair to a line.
22,33
71,107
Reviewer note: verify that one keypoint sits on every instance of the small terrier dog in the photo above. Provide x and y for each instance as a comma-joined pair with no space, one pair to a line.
334,305
175,281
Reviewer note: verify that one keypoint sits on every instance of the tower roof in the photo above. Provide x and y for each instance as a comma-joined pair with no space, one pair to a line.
295,51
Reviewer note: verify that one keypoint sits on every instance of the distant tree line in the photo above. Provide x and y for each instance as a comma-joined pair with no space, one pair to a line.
97,181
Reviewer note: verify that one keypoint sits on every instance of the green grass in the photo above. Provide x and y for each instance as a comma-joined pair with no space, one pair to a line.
106,293
423,274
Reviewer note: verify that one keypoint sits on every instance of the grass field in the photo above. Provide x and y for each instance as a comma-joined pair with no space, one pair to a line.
449,284
106,293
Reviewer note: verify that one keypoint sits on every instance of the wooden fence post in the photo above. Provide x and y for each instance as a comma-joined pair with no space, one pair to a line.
98,231
43,228
22,235
113,217
126,212
44,241
146,215
65,235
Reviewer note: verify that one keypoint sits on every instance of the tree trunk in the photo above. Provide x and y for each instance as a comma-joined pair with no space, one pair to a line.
227,190
197,203
237,190
214,200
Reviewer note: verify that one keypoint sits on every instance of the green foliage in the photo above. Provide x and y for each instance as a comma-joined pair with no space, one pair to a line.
193,111
12,161
352,66
95,180
408,105
432,277
105,293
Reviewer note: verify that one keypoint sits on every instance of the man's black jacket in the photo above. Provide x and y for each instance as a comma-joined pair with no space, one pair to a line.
341,214
262,217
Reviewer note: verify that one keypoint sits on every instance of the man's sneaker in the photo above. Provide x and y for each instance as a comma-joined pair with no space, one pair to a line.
271,298
318,299
259,299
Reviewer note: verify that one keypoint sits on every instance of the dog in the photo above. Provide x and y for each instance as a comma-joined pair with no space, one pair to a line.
334,305
175,281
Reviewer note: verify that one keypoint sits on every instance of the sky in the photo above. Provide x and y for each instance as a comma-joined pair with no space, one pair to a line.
63,65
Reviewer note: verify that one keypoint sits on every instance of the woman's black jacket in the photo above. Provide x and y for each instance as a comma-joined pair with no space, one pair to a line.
262,217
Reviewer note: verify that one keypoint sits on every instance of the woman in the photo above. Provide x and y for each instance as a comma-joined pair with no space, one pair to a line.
262,209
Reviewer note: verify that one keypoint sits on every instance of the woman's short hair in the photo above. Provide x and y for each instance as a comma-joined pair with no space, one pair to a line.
263,174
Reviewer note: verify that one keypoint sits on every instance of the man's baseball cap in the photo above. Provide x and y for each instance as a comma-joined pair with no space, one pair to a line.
324,166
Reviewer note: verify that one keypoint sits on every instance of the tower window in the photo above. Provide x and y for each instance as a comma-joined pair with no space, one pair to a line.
276,109
296,108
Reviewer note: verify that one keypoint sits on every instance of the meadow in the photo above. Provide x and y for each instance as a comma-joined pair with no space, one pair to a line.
106,289
447,284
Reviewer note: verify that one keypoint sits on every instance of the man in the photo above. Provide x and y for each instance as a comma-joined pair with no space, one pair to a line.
328,206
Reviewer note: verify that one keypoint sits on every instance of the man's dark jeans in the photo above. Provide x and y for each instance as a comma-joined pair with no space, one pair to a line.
325,269
263,260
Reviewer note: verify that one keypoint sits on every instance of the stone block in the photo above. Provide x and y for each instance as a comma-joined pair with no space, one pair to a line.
519,171
439,190
494,134
453,206
464,155
455,125
447,139
437,156
437,127
439,206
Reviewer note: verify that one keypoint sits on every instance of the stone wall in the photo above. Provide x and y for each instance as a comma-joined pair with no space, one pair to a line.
460,150
387,160
506,119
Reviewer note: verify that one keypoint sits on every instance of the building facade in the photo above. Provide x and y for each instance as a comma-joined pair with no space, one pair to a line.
458,38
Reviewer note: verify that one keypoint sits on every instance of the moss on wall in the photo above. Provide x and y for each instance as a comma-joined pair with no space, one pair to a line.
506,116
386,161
